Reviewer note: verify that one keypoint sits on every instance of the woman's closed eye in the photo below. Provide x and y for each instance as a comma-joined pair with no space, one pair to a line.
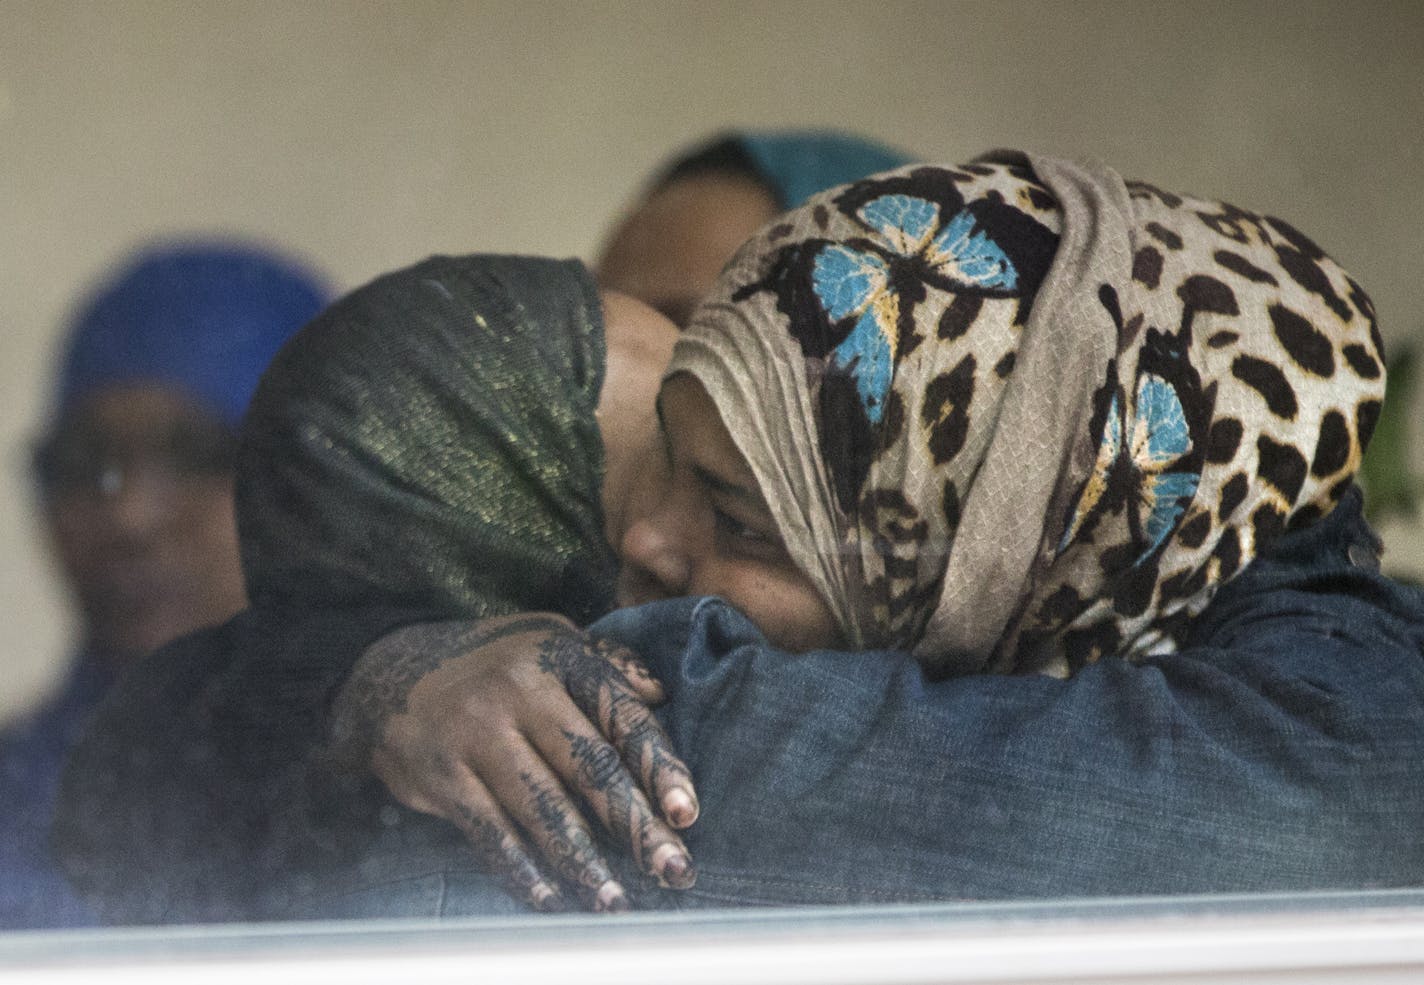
741,539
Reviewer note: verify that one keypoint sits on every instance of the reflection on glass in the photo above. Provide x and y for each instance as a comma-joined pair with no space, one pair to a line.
965,658
992,538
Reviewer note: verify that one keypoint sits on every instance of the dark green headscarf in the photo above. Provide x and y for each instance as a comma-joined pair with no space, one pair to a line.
430,441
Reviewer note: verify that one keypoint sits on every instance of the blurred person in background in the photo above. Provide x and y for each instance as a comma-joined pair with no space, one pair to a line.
134,479
699,207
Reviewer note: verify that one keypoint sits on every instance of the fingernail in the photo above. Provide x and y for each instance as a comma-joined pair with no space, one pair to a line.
547,899
672,866
610,898
678,872
679,807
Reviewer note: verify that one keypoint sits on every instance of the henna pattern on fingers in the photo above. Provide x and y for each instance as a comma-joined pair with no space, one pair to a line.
596,683
599,767
637,759
624,659
567,845
382,679
627,814
590,671
646,752
593,682
499,852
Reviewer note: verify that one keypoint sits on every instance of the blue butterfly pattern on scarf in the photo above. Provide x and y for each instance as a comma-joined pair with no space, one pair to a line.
858,283
1157,436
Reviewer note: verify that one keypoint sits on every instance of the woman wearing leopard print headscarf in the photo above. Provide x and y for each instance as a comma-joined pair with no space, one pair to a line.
1013,416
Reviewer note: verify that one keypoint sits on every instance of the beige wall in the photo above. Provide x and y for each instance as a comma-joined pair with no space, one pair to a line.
365,135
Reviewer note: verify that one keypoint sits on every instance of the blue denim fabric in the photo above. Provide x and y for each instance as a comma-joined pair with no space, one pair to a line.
1282,748
431,883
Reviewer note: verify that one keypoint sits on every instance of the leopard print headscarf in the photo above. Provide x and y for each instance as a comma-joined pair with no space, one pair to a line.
1019,414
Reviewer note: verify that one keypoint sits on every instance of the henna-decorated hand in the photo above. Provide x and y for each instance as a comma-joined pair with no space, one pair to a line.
495,725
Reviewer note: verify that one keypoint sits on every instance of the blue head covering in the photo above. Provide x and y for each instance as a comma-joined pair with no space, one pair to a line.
205,317
797,164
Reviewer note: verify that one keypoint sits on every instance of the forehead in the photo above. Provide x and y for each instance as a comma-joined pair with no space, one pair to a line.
674,244
695,433
134,411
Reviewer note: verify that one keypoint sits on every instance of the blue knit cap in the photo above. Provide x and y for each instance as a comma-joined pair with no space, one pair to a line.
799,163
205,317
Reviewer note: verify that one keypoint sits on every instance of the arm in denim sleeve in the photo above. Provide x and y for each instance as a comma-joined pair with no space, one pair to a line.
1282,748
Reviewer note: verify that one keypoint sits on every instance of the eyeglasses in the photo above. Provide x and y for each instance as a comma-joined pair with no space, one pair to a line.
85,461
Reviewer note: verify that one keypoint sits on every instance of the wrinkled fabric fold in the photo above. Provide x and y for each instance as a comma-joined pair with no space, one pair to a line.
1047,405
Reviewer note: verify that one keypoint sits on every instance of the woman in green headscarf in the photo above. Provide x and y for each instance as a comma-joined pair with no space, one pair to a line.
457,440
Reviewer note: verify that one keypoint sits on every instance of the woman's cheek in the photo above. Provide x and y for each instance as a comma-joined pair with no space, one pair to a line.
786,608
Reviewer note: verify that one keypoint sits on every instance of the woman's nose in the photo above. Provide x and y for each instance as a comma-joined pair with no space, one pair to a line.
655,559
